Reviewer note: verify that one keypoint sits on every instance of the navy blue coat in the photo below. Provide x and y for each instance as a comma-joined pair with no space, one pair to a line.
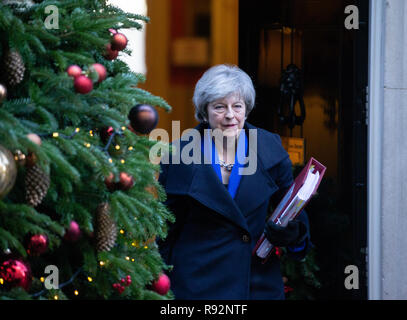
210,244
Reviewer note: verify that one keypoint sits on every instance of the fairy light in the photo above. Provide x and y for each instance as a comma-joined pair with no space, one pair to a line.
1,280
55,135
123,128
117,147
77,130
91,133
110,160
76,292
121,231
101,263
145,247
42,279
134,244
122,161
130,148
56,297
90,279
127,258
132,259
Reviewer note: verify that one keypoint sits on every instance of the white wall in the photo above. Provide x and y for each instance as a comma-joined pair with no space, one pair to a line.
388,151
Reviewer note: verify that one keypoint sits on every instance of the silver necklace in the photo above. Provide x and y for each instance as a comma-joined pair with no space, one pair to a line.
223,164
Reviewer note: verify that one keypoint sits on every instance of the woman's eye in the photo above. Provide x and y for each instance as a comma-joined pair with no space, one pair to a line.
218,107
238,106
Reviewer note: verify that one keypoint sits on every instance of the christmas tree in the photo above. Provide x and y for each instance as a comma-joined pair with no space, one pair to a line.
80,205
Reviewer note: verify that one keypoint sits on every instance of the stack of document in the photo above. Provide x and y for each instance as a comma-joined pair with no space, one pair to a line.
301,191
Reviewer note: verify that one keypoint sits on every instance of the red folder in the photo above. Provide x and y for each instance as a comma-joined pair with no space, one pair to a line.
295,199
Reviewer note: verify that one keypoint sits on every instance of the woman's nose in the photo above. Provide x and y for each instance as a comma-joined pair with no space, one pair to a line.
229,113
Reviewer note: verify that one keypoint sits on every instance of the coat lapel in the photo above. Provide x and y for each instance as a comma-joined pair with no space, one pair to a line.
208,190
259,186
200,181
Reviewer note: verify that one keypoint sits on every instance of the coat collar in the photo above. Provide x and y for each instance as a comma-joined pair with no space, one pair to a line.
201,182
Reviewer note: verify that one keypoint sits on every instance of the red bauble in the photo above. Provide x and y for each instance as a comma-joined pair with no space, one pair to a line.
162,285
15,273
126,181
37,244
110,183
74,71
110,54
73,233
143,118
119,41
101,71
83,84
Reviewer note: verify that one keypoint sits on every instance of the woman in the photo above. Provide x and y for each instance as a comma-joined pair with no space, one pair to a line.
220,211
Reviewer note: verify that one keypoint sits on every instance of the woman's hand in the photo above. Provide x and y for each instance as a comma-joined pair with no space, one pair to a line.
293,234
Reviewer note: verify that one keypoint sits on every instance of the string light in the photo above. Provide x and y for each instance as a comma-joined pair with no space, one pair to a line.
127,258
55,135
134,244
1,280
110,160
42,279
122,161
117,147
121,231
130,148
123,128
102,263
145,247
76,292
90,279
91,133
56,297
132,259
77,130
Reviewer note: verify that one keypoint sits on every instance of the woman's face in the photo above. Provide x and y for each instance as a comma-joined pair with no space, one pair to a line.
227,114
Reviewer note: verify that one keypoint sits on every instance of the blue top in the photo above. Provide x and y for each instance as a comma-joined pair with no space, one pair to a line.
241,153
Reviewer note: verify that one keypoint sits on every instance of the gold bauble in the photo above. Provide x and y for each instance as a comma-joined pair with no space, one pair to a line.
3,92
8,171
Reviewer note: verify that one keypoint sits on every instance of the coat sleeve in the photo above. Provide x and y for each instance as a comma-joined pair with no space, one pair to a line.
178,207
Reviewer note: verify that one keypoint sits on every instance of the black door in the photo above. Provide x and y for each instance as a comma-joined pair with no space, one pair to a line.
334,64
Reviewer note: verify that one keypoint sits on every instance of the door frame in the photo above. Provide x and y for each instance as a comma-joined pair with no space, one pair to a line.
375,133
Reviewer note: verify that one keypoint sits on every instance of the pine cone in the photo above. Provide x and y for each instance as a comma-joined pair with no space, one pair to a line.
36,185
14,67
106,231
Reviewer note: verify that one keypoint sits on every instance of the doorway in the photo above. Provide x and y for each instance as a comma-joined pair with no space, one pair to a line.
333,61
